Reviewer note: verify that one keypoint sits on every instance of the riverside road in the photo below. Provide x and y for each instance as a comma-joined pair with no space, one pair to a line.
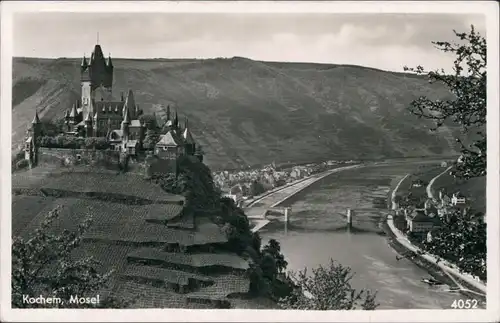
317,232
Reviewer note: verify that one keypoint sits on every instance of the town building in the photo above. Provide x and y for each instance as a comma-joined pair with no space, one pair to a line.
418,222
458,199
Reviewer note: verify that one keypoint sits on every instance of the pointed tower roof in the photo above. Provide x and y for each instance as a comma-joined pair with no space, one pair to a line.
168,112
188,138
36,119
97,53
110,63
84,61
88,118
176,120
130,100
67,114
126,116
74,112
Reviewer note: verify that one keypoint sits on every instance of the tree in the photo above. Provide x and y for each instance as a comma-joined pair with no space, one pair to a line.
461,239
273,248
467,108
149,120
328,288
150,139
256,188
43,264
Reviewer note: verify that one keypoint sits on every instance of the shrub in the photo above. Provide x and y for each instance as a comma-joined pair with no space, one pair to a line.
23,163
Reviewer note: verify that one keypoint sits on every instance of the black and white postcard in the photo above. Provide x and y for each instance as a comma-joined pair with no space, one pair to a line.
250,161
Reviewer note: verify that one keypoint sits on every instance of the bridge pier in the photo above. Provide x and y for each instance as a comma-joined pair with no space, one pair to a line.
350,215
288,213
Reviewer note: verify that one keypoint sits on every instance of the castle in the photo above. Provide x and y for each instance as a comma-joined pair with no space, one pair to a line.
97,114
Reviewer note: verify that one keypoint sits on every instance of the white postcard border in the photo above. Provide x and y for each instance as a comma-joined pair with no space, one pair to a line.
488,8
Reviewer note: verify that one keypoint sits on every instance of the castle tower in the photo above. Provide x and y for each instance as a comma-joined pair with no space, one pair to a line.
31,146
95,73
86,83
36,126
101,72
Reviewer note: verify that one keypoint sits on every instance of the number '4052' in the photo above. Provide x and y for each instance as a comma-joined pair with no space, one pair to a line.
464,304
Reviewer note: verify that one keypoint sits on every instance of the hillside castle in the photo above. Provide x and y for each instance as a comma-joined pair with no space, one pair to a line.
97,114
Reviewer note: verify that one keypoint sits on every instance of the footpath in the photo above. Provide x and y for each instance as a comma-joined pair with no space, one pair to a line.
257,207
466,282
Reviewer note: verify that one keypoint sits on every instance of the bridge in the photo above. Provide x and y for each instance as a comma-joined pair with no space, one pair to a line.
264,213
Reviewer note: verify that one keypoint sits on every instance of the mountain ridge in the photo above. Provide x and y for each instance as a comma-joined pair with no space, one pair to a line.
246,112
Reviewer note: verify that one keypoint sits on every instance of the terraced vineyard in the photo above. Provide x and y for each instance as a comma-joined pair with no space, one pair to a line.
122,235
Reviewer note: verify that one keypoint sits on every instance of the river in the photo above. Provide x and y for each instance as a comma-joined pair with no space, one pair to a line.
317,233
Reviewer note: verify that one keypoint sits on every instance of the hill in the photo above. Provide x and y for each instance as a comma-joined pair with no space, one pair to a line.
246,112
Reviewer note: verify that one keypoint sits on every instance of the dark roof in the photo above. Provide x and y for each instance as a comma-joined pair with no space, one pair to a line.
419,216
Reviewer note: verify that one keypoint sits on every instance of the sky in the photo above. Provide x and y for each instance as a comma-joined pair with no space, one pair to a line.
384,41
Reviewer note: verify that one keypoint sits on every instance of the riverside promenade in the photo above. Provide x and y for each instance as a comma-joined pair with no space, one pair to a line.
257,208
451,270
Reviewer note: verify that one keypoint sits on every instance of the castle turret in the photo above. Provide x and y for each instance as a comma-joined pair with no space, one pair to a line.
110,63
175,124
97,131
189,144
36,127
73,115
88,126
67,121
31,143
125,126
86,85
84,63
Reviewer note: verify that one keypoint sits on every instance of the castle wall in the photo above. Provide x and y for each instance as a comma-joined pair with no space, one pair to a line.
64,156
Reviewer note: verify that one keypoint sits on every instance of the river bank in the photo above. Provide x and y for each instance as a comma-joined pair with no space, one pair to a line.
257,207
439,269
318,233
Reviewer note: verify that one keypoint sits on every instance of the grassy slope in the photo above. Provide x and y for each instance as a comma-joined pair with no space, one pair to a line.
248,112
